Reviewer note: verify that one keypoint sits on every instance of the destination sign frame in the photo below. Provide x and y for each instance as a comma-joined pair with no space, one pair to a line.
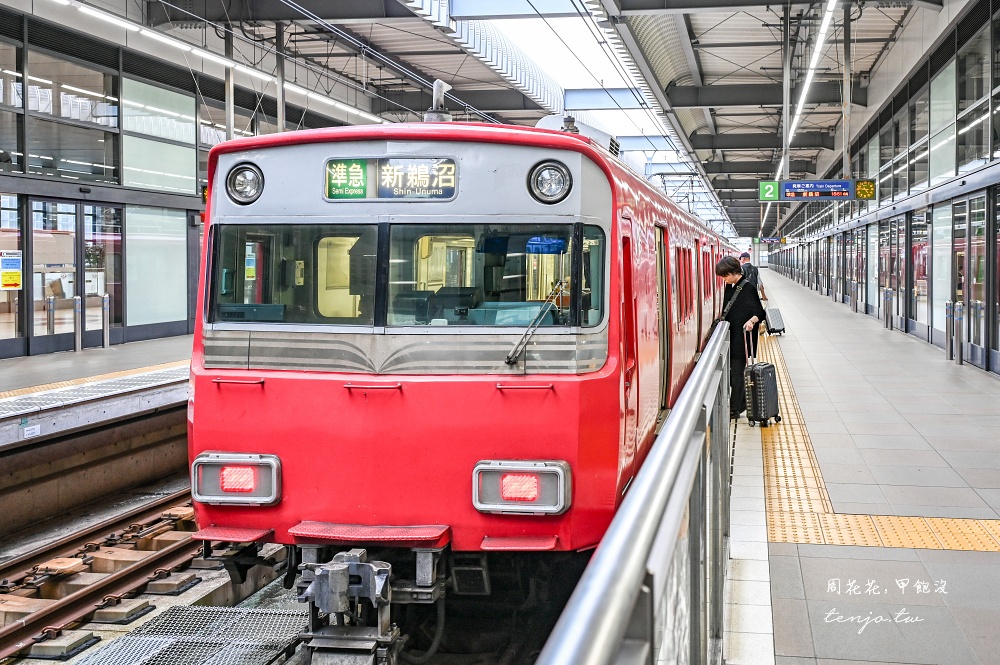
816,190
391,179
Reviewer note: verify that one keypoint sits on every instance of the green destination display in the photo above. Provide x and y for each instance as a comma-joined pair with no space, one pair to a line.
391,178
347,179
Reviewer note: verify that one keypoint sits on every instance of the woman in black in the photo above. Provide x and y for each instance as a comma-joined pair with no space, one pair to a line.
744,315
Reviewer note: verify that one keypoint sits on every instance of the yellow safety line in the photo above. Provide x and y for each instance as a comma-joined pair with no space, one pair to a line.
91,379
798,506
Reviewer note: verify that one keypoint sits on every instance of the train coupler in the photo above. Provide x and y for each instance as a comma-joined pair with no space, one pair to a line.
349,600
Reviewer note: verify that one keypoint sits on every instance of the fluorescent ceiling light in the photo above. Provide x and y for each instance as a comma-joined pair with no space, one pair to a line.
121,23
291,87
250,71
208,55
40,80
169,41
61,2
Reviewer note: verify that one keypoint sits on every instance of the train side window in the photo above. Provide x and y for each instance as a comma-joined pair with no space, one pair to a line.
592,277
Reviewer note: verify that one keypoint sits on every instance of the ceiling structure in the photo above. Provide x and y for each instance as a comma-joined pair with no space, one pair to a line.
710,70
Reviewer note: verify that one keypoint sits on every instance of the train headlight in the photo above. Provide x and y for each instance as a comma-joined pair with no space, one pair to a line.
231,478
550,182
244,183
516,486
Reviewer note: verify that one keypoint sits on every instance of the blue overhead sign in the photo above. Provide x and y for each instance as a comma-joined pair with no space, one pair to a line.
796,190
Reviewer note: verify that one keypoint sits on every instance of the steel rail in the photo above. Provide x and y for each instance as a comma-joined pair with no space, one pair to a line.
22,634
11,568
592,625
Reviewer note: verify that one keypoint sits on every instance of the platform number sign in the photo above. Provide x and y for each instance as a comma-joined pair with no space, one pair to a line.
768,190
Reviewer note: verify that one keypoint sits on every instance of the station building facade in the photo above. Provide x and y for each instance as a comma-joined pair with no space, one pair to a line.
932,237
103,161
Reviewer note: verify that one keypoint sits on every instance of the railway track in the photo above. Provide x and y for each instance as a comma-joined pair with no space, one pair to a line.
24,576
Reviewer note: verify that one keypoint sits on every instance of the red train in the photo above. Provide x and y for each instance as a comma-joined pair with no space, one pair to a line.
450,344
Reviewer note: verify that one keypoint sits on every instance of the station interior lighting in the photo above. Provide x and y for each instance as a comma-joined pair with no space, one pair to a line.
824,27
213,57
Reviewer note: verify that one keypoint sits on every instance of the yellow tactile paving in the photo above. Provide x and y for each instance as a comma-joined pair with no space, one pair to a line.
798,506
90,379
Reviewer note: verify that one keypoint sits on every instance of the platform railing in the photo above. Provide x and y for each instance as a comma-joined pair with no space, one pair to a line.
654,588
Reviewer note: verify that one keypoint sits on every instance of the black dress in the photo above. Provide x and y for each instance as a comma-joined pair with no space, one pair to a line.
746,306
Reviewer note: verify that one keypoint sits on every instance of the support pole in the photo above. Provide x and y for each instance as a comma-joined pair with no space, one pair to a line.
846,95
230,87
279,96
786,88
77,323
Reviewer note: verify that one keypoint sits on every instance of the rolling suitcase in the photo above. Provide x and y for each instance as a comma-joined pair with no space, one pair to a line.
761,386
772,319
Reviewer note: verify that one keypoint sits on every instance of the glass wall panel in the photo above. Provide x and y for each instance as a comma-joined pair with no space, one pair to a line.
973,143
10,141
943,98
899,246
884,261
995,344
54,264
942,155
976,277
940,262
72,153
154,111
154,165
861,268
10,240
212,124
68,90
919,308
973,70
102,264
10,77
156,270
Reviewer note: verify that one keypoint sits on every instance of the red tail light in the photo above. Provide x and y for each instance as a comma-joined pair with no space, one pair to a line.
519,487
238,479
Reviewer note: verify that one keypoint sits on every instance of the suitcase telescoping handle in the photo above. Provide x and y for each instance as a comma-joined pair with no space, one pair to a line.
747,343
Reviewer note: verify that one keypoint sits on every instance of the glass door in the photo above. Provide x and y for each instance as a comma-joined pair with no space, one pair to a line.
919,308
103,270
55,278
975,283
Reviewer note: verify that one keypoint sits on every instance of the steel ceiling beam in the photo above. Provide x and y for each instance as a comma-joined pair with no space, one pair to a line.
804,140
757,166
763,94
489,101
649,7
700,46
730,184
275,10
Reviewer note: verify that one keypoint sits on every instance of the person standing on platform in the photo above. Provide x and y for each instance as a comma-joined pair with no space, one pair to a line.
743,311
751,273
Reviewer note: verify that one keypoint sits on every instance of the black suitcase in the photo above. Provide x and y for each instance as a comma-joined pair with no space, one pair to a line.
760,381
775,324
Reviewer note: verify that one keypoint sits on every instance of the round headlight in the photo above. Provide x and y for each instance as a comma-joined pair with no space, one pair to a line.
245,183
550,182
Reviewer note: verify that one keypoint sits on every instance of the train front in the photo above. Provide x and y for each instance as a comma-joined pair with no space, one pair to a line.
405,344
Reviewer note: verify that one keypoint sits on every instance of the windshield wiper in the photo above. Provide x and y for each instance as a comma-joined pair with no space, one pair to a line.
535,322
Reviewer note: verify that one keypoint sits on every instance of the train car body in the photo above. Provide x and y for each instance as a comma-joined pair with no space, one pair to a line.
402,344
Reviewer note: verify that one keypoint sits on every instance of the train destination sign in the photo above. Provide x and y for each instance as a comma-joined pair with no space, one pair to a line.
391,178
806,190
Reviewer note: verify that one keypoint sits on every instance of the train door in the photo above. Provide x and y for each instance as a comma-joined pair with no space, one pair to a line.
661,318
630,374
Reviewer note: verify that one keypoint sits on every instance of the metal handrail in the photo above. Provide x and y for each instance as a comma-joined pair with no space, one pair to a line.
593,624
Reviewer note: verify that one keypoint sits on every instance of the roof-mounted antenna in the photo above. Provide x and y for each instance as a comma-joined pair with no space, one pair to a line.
569,125
437,112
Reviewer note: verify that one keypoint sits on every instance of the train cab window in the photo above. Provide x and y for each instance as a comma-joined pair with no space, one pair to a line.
315,274
491,275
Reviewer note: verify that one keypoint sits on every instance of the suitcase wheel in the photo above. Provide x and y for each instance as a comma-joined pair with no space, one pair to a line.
777,419
752,423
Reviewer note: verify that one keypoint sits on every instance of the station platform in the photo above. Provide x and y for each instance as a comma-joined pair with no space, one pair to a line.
865,525
50,395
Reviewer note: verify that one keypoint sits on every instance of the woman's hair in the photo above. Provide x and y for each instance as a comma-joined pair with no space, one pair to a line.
728,265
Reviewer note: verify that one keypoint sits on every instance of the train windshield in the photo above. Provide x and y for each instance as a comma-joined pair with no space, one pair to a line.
433,275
